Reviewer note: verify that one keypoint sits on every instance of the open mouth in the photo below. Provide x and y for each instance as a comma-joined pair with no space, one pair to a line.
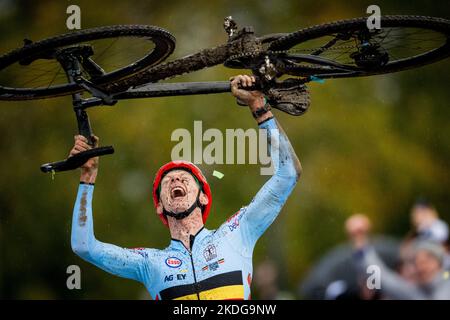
177,192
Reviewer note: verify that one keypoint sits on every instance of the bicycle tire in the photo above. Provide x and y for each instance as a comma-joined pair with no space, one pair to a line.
432,23
203,59
164,45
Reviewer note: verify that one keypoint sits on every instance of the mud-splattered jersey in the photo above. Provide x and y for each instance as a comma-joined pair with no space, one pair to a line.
219,265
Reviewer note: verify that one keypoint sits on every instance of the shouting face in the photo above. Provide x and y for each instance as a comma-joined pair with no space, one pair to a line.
179,191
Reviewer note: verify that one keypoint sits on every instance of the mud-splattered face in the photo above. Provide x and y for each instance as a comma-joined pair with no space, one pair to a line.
179,191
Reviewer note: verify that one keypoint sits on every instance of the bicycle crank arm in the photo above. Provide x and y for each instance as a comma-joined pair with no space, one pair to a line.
77,160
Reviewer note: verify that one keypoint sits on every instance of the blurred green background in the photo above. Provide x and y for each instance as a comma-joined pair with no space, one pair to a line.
368,145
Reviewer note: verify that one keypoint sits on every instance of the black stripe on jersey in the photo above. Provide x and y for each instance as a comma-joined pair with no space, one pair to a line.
220,280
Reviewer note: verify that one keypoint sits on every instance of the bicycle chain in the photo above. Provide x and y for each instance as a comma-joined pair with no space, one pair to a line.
255,53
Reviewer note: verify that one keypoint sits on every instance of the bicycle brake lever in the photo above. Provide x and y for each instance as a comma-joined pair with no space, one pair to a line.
77,160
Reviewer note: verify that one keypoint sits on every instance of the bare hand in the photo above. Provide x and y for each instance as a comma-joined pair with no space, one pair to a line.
254,99
81,144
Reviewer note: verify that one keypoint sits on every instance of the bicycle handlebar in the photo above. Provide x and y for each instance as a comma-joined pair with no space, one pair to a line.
77,160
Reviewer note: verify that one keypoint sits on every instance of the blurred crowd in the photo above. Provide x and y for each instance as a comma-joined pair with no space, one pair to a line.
372,267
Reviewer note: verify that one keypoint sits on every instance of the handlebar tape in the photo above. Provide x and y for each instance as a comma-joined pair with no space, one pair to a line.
77,160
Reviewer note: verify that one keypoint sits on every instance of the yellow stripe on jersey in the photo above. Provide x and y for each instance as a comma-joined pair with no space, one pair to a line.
221,293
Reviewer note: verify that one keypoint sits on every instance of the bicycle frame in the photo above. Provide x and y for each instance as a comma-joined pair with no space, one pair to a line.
70,58
242,51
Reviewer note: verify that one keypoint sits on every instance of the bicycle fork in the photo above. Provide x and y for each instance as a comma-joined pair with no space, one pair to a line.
69,59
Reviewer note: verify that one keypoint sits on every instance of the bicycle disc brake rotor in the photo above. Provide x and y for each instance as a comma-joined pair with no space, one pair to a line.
369,54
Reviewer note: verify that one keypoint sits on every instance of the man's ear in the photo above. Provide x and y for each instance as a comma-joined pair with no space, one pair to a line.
203,199
159,208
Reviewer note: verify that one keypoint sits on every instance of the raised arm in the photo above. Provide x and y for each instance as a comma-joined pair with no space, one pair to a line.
392,284
127,263
254,219
269,200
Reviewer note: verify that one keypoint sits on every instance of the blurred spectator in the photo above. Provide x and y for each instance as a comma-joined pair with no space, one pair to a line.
334,275
426,278
266,282
426,223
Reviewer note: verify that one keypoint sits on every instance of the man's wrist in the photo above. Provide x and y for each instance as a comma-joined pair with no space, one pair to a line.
261,109
89,177
257,103
265,117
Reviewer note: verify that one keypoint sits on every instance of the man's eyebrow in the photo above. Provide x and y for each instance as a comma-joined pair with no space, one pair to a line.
184,174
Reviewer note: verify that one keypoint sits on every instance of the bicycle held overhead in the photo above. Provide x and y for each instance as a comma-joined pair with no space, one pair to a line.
126,62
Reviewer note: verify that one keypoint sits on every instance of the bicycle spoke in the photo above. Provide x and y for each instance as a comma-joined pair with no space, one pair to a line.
399,43
54,77
105,50
38,77
109,54
387,33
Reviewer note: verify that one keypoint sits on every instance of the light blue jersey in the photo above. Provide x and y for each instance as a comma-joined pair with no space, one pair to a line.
219,265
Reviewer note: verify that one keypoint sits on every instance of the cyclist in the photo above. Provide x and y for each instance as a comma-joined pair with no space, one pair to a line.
199,263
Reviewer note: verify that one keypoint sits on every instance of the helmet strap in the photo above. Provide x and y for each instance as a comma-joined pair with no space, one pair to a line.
184,214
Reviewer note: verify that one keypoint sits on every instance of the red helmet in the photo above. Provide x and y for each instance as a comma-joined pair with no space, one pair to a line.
191,168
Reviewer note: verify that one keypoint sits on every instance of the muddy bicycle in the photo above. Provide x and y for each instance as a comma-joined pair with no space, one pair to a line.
113,63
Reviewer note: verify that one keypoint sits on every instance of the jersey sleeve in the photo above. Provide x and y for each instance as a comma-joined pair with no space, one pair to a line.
249,223
127,263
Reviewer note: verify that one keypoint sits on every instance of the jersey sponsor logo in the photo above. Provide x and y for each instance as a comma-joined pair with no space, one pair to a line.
168,278
210,252
173,262
234,222
140,251
172,277
233,216
213,266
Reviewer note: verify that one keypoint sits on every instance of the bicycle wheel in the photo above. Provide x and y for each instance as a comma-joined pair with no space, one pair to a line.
31,72
352,50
